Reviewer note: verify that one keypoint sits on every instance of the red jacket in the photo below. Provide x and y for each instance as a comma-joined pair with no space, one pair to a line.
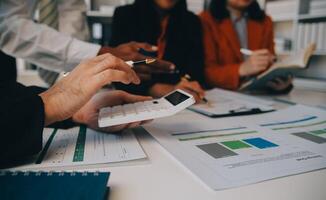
222,48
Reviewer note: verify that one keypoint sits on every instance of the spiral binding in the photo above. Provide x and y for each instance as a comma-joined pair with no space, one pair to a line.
47,173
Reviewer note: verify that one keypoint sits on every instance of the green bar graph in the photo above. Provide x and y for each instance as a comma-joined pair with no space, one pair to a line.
80,145
319,132
300,126
216,136
235,144
46,147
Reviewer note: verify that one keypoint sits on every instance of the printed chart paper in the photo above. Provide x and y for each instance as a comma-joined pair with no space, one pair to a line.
82,146
238,151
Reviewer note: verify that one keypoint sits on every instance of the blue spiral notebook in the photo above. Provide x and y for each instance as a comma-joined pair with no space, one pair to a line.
53,185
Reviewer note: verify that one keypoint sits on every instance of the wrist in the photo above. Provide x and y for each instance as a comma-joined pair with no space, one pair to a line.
242,71
78,118
49,110
104,50
55,101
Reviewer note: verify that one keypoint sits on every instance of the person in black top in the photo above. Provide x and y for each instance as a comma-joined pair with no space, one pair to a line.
9,72
25,111
177,34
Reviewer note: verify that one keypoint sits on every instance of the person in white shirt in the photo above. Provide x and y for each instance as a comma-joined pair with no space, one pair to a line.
62,49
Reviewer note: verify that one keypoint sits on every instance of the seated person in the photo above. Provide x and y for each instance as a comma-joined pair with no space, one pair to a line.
229,25
59,47
72,100
177,34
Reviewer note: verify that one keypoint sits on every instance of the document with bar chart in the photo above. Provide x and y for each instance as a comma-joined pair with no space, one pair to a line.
305,126
244,150
82,146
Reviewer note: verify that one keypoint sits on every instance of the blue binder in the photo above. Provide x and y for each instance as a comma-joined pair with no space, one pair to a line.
53,185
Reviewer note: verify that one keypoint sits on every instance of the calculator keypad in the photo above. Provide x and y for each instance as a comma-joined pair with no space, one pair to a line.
133,109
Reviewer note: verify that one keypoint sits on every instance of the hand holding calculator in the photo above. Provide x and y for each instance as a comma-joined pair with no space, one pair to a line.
168,105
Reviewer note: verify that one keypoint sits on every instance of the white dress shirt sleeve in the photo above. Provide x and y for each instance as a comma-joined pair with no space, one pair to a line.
73,20
21,37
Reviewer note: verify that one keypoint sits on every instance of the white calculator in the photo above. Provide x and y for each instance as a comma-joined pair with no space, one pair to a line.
168,105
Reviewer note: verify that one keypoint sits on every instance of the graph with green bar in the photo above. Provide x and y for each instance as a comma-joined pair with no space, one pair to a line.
235,144
319,132
46,147
301,126
225,149
209,130
80,145
198,137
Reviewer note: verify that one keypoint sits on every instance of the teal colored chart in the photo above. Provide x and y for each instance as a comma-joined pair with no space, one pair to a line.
80,145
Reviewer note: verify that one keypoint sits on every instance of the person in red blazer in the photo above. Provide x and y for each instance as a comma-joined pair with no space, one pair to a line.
228,26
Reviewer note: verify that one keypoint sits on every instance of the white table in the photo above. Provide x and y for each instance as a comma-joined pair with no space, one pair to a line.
164,177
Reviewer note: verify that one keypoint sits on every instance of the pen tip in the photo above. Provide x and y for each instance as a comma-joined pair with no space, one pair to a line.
150,60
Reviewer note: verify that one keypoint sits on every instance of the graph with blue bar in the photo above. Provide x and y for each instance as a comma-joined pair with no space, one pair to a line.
260,143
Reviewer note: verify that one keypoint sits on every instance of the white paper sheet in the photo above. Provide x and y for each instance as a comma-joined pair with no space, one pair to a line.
246,150
73,147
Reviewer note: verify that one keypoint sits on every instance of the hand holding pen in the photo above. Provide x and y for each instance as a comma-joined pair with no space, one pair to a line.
249,52
257,62
134,51
279,83
140,62
131,63
193,87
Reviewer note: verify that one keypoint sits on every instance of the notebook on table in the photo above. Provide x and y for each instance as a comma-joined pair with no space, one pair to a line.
282,68
15,185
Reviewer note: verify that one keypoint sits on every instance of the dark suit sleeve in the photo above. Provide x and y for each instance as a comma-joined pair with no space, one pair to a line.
120,26
21,122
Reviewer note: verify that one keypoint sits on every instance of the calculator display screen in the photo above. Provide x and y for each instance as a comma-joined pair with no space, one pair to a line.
176,97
